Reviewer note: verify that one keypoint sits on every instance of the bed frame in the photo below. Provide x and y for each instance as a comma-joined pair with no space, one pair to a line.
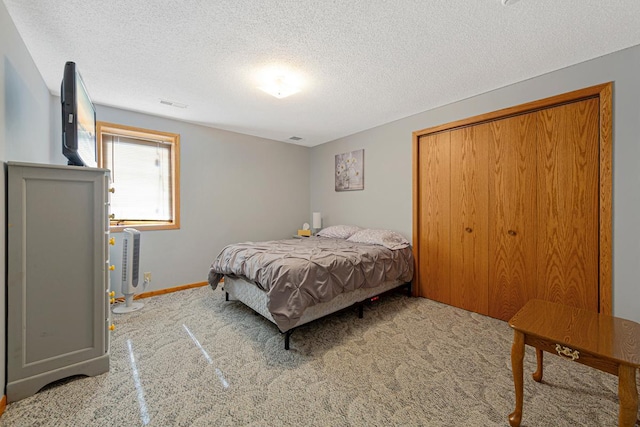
238,289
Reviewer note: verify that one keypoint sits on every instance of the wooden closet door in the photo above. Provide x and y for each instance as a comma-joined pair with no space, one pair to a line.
434,217
469,218
568,204
512,210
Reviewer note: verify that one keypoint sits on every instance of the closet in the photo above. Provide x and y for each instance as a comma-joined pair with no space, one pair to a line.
516,204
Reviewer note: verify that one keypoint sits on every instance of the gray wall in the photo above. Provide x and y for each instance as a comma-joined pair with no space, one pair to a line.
386,201
233,187
24,127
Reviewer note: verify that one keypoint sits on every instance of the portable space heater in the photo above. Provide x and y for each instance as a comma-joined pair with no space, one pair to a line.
130,271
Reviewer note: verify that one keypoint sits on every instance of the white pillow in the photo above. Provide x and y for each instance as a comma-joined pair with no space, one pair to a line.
338,231
387,238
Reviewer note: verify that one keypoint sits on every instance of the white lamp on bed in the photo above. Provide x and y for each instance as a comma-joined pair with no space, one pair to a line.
317,222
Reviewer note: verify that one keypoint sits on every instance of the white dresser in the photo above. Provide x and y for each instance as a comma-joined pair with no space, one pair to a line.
58,317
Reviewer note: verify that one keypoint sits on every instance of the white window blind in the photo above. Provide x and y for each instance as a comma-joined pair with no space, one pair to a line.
141,177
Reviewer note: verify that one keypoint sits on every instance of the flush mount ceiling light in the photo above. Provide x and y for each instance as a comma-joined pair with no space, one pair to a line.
279,82
279,88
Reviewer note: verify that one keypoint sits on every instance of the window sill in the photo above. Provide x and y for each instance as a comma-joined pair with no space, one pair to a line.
118,226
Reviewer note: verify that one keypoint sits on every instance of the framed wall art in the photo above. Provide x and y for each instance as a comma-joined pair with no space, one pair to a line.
349,171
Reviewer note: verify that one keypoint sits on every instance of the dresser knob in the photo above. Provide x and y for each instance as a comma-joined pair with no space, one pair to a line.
511,233
112,190
468,230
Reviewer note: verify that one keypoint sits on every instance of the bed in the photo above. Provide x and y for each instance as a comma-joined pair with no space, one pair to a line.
295,281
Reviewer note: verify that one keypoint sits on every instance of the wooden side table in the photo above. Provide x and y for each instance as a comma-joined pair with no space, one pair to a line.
602,342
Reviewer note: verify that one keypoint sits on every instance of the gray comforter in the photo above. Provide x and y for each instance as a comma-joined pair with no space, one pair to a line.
299,273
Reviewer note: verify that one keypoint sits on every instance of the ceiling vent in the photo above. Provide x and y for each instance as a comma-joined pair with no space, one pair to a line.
173,104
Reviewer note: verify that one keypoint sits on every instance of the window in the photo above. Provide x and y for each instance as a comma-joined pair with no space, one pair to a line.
145,176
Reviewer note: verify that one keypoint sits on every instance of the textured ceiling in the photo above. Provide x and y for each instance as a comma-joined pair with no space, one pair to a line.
363,63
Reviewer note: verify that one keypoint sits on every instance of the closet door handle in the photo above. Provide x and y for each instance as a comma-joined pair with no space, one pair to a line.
468,230
511,233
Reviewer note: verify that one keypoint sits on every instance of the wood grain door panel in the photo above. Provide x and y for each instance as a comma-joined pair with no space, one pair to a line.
568,204
512,213
469,218
434,217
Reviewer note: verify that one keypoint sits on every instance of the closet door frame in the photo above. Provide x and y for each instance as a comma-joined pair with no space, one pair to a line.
603,93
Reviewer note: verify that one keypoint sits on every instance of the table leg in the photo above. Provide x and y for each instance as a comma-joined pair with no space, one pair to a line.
537,375
517,357
628,395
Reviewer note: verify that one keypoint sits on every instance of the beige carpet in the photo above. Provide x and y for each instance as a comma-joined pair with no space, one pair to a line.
192,359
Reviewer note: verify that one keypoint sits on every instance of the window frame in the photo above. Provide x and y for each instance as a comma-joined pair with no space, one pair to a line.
146,134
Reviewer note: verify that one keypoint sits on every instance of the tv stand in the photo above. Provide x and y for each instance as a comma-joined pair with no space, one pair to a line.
58,316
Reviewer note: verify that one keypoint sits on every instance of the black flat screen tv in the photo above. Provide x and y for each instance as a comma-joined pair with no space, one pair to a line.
78,120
